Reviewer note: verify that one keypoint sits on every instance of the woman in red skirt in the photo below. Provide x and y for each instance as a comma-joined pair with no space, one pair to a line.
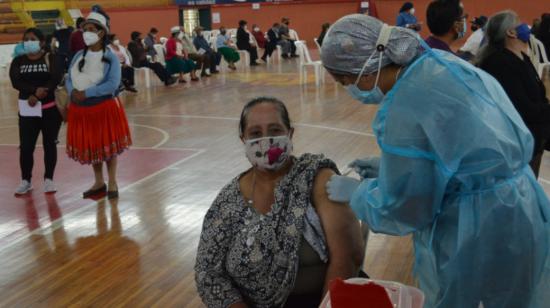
97,129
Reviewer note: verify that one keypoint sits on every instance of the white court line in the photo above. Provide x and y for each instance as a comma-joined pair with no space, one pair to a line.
348,131
165,135
56,224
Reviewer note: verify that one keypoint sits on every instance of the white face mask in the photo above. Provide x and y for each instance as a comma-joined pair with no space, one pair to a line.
90,38
116,42
180,35
412,11
256,29
269,153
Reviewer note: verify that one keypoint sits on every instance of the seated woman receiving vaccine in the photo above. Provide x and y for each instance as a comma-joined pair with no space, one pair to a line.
272,238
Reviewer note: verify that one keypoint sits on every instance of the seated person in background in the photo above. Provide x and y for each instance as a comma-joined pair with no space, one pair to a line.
286,42
139,59
177,61
406,18
127,76
150,41
324,29
203,46
471,47
259,36
244,42
447,23
226,47
273,39
201,60
272,238
543,33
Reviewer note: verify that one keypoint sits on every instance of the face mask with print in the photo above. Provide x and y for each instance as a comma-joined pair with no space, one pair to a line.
523,33
31,47
268,153
90,38
373,96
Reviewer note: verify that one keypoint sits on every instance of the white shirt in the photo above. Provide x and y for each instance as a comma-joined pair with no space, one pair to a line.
473,42
92,72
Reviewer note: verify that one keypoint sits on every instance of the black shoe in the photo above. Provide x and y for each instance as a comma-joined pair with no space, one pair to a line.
131,89
170,81
93,192
254,64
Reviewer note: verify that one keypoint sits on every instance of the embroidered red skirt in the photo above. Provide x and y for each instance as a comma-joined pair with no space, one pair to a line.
97,133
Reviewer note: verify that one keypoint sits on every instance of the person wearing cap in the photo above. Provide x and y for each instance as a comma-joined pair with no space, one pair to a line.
139,59
203,46
406,17
177,60
97,128
472,45
453,170
505,58
447,23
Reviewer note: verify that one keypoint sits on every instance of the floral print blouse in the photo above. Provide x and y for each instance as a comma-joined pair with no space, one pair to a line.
246,256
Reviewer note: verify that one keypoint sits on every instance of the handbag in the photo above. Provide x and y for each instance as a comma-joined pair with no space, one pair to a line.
61,94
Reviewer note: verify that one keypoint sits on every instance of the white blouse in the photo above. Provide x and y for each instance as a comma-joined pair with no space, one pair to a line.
92,72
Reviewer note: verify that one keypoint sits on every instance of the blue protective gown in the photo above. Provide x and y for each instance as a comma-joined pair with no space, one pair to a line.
454,172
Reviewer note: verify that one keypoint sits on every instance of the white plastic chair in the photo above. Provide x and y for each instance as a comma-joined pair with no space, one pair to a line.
146,71
318,46
305,62
540,52
160,54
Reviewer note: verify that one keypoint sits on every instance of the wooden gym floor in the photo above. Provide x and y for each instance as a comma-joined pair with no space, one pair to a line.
139,251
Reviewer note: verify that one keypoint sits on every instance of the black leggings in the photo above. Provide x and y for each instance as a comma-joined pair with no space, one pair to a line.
128,76
29,128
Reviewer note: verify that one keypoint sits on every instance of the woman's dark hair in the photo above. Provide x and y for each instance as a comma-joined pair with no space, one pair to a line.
325,26
154,30
135,35
79,22
36,33
283,112
242,23
442,15
104,44
406,6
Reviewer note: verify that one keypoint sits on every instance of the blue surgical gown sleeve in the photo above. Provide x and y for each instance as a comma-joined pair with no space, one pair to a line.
404,198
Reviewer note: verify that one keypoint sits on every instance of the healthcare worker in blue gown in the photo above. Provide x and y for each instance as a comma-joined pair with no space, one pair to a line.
453,170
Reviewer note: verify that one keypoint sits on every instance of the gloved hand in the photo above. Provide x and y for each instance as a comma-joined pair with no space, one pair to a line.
341,188
367,167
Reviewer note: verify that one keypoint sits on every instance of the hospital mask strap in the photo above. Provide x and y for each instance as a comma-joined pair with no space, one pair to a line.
523,32
375,95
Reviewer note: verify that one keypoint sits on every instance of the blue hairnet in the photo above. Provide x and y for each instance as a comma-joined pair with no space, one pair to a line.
352,39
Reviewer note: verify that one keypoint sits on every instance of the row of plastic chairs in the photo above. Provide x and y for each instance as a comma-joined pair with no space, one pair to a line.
539,55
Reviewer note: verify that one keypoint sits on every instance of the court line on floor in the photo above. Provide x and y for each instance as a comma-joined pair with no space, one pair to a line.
343,130
58,223
165,135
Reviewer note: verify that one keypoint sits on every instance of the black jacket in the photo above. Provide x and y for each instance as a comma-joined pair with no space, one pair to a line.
521,82
243,39
27,75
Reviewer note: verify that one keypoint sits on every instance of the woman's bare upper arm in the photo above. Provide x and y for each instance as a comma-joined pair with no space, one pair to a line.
340,225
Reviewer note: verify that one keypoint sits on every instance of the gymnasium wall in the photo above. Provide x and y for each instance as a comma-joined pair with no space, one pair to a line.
306,15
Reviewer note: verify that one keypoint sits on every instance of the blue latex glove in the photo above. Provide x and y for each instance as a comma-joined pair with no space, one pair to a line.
366,167
341,188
